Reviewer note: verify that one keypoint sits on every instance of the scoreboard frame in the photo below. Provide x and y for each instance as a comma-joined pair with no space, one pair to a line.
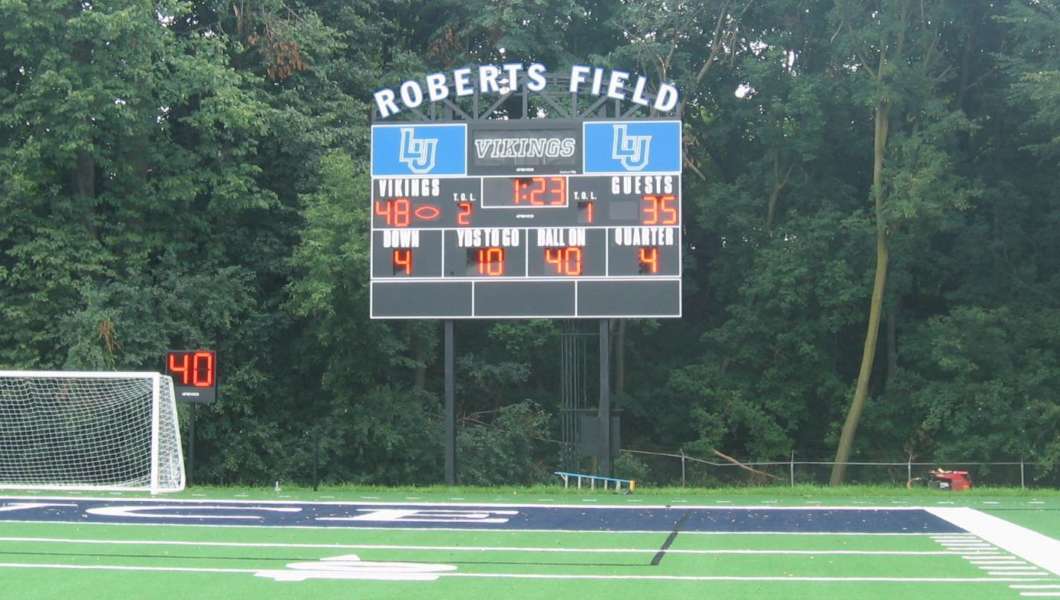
604,151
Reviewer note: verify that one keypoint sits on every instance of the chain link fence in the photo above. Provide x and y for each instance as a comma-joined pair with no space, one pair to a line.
680,469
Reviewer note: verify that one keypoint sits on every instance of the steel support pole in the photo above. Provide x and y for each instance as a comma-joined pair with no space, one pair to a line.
190,474
605,397
450,407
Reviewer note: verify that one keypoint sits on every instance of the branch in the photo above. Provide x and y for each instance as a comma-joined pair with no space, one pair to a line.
695,169
715,47
743,466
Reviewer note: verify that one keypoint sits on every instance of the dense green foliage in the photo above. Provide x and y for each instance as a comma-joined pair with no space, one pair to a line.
194,174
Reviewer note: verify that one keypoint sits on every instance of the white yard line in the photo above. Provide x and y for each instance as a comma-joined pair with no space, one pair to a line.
1027,544
46,540
990,580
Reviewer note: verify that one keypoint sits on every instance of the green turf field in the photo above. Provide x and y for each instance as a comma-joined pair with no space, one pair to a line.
201,562
83,561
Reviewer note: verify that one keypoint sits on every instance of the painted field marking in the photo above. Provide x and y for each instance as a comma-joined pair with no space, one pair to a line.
1041,594
1035,586
134,511
408,515
528,549
993,559
32,506
351,566
1027,544
989,580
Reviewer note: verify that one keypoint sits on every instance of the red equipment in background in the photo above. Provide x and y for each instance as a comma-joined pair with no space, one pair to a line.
956,481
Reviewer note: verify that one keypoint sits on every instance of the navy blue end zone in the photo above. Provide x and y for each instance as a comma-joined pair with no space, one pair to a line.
472,516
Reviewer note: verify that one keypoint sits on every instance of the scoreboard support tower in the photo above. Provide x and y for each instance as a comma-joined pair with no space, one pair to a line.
527,205
450,406
604,412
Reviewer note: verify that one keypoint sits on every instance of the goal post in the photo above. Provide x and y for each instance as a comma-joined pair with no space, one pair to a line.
85,430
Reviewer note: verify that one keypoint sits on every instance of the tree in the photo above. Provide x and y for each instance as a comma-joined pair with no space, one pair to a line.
895,47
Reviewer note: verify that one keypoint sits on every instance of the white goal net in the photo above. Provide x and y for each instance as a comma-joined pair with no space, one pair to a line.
89,431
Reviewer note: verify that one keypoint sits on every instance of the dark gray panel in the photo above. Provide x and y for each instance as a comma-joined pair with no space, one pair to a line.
426,253
530,147
524,298
428,299
566,252
486,252
658,298
424,202
643,249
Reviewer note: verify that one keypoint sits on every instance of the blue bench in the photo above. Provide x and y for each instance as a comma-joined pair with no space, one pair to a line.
592,479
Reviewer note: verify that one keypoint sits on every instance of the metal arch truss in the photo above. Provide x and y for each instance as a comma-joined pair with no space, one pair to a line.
553,102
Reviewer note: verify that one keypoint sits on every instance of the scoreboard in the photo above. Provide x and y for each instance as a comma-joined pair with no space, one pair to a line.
527,218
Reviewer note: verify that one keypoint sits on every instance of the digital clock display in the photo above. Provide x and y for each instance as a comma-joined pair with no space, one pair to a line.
524,192
194,374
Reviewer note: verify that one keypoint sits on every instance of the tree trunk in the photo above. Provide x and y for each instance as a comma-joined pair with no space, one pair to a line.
868,356
892,343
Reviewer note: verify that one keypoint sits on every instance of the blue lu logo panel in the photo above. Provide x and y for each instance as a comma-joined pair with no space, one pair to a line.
419,150
633,147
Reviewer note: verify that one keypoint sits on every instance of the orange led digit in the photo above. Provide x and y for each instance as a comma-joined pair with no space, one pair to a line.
588,206
464,217
537,187
648,257
650,209
558,187
403,261
667,205
573,260
182,368
202,371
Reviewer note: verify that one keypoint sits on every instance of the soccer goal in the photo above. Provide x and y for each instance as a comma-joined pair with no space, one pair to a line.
89,431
